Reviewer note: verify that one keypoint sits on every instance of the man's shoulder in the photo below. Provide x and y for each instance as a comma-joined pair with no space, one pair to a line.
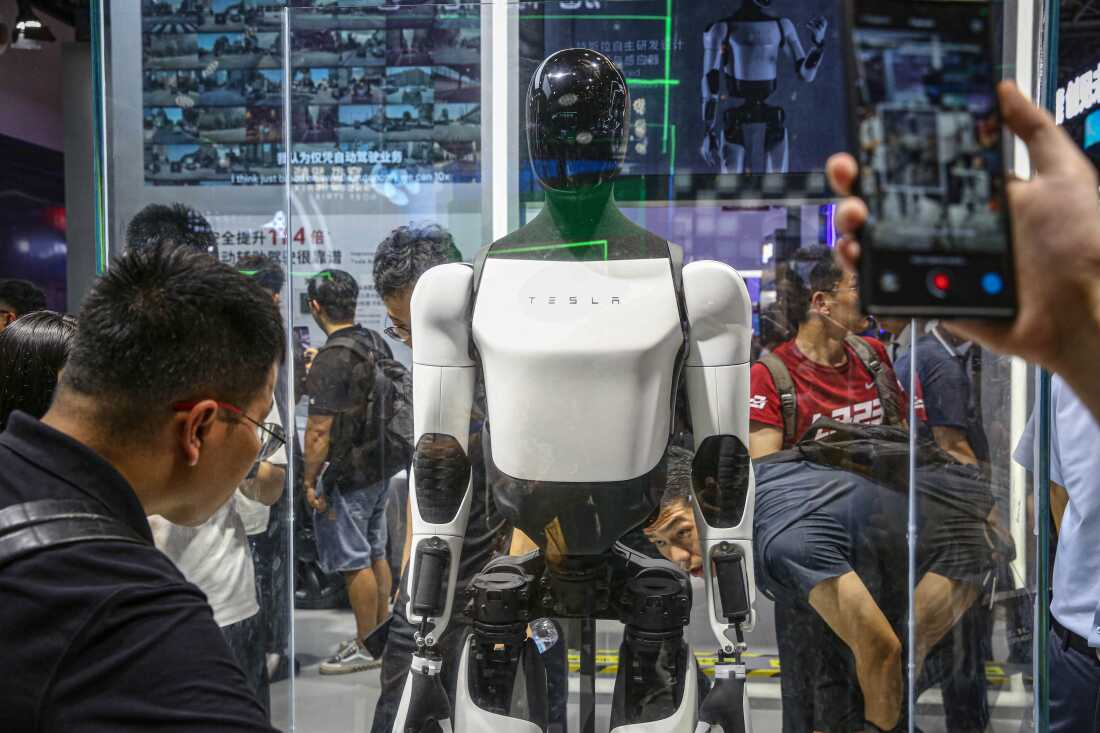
73,588
932,355
115,616
340,345
788,353
102,568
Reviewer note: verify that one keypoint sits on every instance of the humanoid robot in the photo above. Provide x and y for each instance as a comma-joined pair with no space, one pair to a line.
583,325
744,48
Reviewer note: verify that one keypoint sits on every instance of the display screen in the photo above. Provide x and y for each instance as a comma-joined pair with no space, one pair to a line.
1077,101
380,93
728,96
929,129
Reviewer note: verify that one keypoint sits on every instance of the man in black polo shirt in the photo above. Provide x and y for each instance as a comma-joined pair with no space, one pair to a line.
171,370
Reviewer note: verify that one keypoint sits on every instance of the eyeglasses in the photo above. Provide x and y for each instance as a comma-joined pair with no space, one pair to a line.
272,437
399,333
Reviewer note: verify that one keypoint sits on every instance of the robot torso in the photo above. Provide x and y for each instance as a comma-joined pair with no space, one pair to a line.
580,361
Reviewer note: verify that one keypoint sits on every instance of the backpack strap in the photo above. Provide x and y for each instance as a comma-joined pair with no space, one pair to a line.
360,349
38,525
884,383
788,399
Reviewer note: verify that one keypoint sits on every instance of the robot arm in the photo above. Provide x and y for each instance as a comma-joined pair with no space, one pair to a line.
713,40
440,484
717,375
806,64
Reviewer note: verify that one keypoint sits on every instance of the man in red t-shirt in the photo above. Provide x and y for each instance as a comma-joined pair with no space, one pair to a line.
821,304
845,393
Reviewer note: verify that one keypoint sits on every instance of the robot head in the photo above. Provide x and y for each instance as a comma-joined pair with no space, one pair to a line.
577,128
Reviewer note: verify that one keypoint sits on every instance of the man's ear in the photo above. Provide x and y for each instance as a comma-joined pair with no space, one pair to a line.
818,302
193,428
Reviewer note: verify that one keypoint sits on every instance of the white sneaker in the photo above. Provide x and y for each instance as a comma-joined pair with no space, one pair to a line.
351,657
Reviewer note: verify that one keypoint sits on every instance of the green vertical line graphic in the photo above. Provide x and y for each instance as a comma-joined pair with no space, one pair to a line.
99,155
672,157
668,71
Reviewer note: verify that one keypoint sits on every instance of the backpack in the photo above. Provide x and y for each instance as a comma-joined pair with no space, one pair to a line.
373,441
788,398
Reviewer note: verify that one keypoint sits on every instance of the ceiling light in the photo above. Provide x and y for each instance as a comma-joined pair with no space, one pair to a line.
30,32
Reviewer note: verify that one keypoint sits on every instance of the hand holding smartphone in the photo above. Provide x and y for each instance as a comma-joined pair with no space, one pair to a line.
937,242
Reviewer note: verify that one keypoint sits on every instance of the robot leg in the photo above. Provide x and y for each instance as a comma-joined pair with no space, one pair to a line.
501,681
726,707
776,147
657,684
733,140
424,700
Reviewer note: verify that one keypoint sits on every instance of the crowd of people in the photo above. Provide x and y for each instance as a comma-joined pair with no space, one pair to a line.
145,491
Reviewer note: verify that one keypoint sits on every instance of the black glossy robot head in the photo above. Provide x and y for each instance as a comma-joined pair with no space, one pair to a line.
577,128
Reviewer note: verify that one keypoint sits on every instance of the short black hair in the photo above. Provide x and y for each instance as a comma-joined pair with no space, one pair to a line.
168,325
336,292
809,270
173,225
774,329
677,477
265,270
22,296
407,253
32,351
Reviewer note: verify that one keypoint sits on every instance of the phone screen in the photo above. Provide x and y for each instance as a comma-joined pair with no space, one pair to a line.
301,338
931,155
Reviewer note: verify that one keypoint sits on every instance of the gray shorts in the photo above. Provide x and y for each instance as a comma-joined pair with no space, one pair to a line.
351,535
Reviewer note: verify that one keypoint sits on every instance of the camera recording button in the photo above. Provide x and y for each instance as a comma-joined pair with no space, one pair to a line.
939,282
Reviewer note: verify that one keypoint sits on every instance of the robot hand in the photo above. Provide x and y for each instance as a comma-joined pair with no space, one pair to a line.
711,148
818,27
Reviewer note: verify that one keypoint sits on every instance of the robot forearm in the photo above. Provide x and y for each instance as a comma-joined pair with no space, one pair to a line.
807,68
717,375
440,480
710,99
713,40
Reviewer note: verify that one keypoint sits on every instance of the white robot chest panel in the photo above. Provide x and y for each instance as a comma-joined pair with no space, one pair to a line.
755,45
579,360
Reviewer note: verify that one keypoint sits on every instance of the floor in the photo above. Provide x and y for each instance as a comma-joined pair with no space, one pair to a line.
345,704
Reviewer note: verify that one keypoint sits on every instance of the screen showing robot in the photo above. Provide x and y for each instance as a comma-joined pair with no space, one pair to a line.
929,128
738,87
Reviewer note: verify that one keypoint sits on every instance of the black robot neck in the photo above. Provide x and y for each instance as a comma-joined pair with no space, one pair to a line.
751,11
581,214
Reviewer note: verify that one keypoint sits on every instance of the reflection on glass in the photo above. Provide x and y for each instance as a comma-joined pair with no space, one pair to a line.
731,114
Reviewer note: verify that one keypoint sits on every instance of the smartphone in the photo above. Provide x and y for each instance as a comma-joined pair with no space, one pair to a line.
301,338
931,151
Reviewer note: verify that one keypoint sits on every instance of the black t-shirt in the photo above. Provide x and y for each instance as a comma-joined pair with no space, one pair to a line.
332,391
105,635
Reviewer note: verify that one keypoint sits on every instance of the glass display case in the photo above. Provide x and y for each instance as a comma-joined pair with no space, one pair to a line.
894,573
